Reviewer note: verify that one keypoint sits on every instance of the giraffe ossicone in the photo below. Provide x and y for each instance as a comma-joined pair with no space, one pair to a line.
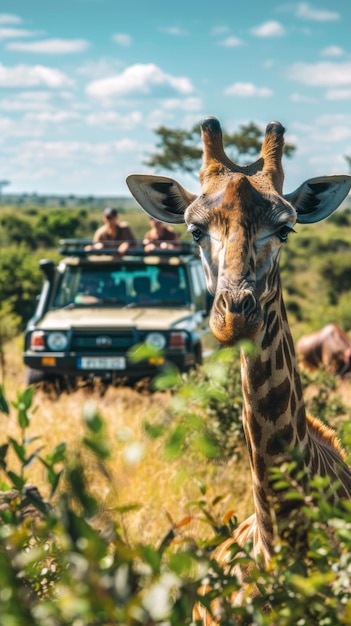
240,220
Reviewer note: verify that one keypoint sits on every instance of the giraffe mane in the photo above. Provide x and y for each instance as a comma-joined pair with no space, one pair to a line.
325,435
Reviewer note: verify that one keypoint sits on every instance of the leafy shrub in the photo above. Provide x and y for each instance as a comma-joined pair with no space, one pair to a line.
56,568
59,224
20,280
321,404
16,229
336,272
62,564
207,404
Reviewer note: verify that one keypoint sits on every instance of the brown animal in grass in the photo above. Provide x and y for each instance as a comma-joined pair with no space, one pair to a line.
329,347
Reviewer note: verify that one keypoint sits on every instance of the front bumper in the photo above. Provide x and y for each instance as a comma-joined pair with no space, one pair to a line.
76,365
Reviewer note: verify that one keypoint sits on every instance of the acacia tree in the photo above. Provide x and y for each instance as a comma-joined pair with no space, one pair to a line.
179,149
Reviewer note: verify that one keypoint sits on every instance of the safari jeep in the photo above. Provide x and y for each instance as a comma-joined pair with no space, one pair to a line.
111,317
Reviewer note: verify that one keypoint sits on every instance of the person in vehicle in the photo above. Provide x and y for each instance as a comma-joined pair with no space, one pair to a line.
113,233
161,237
169,287
142,288
88,290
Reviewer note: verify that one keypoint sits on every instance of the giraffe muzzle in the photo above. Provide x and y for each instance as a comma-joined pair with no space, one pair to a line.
233,319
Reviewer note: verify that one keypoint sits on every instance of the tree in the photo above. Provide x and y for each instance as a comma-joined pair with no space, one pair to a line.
348,159
20,280
9,326
181,150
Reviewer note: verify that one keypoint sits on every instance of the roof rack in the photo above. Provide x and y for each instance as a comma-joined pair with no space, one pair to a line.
84,248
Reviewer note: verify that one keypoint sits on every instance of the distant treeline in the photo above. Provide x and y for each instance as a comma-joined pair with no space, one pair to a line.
69,201
316,268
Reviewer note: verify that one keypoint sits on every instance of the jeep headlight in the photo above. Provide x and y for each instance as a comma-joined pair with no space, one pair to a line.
156,340
57,341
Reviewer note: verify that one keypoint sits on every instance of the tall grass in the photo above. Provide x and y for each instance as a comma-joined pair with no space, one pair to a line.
139,488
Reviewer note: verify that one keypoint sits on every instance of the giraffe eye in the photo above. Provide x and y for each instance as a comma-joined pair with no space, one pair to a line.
284,232
195,232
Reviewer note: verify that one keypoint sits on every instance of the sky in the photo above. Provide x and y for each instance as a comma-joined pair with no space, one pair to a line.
85,83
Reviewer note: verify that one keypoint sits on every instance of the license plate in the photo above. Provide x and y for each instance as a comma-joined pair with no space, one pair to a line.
102,363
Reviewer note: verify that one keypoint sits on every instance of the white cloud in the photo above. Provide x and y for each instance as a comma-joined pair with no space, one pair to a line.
32,76
139,79
175,31
269,29
338,94
111,118
98,68
12,33
306,12
231,42
46,151
9,18
219,30
335,134
10,127
302,98
325,74
50,46
184,104
126,145
332,51
248,90
53,117
330,119
27,101
122,39
77,154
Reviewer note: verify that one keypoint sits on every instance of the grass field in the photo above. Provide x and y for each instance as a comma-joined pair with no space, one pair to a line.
163,490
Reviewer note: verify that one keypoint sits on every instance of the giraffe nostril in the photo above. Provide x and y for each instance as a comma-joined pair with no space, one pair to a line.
249,305
245,306
221,303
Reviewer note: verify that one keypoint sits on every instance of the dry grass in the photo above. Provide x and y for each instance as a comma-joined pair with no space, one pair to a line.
140,473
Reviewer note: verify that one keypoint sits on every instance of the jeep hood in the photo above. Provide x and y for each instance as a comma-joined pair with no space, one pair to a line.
108,318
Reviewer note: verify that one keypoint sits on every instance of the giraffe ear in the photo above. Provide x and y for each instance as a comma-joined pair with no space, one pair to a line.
161,197
317,198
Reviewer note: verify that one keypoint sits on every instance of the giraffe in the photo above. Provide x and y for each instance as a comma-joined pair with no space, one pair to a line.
240,221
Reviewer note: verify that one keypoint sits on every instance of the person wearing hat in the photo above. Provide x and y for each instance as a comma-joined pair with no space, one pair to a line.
113,234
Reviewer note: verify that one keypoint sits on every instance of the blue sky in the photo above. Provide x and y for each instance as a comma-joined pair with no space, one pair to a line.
84,83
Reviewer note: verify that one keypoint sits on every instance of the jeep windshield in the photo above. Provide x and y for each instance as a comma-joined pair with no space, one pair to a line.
128,285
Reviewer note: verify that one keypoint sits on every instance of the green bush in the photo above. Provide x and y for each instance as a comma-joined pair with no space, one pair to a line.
20,280
335,270
321,404
59,224
57,569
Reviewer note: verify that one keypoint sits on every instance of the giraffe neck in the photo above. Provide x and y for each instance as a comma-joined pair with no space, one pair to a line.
274,415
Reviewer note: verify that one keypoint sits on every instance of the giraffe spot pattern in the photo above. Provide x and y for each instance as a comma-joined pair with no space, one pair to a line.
276,401
280,441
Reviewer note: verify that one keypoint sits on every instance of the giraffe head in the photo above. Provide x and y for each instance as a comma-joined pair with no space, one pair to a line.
240,220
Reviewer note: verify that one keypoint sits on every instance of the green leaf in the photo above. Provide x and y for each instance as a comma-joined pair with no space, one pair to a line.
154,430
4,407
17,481
3,452
22,415
19,449
54,479
57,455
32,457
100,447
175,443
